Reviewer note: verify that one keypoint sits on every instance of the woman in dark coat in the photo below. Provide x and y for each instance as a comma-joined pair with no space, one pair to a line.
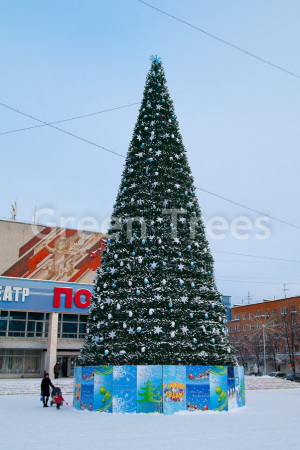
45,388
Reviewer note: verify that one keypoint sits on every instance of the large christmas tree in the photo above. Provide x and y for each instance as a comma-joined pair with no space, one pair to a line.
155,299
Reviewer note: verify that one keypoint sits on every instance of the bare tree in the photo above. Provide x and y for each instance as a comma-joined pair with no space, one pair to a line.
242,347
272,348
288,325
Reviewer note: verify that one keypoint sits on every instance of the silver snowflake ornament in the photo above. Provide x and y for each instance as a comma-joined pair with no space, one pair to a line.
157,330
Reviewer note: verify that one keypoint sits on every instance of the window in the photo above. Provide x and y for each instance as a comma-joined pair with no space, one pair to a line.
276,349
230,329
296,348
252,327
24,324
245,338
244,316
294,321
237,317
237,328
274,311
283,310
284,322
20,361
258,313
285,348
266,312
293,308
16,328
251,315
245,327
72,326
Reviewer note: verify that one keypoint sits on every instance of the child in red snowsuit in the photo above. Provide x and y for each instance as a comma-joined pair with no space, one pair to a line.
59,400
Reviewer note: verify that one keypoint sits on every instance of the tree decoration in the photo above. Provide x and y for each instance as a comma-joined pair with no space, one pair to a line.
156,282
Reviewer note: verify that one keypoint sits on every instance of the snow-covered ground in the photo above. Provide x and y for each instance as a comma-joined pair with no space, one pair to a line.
269,421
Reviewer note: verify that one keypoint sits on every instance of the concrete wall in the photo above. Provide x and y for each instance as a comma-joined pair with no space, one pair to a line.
13,235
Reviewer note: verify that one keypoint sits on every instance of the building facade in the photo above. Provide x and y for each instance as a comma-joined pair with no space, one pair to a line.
46,281
267,335
41,322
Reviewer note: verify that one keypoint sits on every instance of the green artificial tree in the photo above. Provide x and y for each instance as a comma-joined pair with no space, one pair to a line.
155,299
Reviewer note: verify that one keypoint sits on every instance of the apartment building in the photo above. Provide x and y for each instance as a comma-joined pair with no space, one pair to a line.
267,334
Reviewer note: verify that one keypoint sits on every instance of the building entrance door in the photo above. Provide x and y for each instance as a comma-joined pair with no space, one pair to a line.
64,366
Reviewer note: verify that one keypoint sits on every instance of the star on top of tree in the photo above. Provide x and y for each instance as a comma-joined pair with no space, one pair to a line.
155,58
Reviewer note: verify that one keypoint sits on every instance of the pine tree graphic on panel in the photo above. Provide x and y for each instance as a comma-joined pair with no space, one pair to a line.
155,299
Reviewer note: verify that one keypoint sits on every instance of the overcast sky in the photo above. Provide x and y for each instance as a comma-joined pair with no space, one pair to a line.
239,117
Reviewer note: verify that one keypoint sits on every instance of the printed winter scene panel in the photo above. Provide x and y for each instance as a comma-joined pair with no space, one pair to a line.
124,389
103,389
198,375
231,393
218,388
87,396
149,389
239,386
197,397
77,387
174,389
88,374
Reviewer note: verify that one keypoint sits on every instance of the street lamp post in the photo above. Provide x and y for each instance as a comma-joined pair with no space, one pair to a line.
263,327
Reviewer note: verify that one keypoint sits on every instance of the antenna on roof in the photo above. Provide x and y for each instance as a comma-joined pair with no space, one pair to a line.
14,211
284,290
249,297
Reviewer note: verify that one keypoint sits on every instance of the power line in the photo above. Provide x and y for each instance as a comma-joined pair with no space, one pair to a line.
247,207
221,40
262,257
72,118
63,131
256,282
122,156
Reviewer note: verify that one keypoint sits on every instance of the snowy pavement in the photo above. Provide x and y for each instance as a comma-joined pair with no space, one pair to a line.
270,420
31,386
266,382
